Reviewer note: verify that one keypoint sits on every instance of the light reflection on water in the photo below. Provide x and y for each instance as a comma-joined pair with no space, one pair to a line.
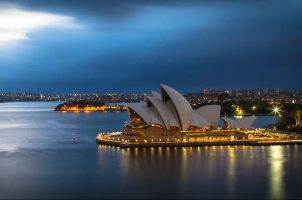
207,172
231,178
276,168
45,154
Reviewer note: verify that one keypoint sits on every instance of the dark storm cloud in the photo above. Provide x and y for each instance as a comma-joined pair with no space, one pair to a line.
111,9
120,9
187,44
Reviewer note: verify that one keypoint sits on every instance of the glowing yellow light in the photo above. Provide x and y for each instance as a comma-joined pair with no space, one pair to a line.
239,111
276,110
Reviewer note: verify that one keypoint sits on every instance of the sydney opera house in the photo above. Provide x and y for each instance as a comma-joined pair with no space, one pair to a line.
167,117
169,111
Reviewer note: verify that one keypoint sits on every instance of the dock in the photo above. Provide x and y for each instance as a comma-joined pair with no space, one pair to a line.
128,144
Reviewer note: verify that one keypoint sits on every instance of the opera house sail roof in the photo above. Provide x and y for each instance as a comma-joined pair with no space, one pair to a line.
244,123
169,109
166,119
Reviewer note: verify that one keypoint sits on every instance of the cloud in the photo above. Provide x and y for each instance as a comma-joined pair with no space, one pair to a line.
214,44
17,24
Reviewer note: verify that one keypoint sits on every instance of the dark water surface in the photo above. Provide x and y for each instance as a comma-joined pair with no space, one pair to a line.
45,154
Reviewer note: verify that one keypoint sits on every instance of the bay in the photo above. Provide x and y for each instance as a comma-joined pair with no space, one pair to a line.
46,154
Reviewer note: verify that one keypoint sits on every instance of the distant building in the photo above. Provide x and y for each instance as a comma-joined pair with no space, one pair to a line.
205,91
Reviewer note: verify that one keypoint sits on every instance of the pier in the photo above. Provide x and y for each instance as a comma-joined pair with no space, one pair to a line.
116,139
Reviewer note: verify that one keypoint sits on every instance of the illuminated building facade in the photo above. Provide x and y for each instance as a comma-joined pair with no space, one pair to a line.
167,119
171,112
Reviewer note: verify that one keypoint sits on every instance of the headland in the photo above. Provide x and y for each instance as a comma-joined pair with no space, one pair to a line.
87,106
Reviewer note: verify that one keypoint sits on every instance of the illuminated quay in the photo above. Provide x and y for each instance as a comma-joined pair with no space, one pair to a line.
83,106
167,119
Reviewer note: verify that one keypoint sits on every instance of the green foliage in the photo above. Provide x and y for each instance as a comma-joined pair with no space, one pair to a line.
256,108
80,104
285,122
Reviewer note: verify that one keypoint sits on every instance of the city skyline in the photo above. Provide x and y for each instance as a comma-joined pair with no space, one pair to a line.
200,90
132,46
203,96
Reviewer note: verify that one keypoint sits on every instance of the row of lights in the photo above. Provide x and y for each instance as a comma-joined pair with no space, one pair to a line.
275,109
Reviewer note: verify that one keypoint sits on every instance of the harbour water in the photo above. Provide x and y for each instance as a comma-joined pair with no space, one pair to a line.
46,154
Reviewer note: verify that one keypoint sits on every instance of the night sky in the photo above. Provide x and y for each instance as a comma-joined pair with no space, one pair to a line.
121,46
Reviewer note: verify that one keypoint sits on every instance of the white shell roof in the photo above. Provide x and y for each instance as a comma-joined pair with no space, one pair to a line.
199,121
156,94
182,106
142,110
245,123
170,108
147,114
155,119
231,122
211,113
164,112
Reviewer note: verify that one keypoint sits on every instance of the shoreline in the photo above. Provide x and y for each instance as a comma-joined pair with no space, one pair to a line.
88,110
121,144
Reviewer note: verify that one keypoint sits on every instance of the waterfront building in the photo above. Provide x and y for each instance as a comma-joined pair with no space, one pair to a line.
166,118
244,123
169,110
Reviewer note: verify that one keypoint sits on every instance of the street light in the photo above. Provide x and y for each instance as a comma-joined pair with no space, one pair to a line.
254,108
276,110
238,111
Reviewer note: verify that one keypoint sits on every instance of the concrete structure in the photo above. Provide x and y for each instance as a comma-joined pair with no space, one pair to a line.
240,123
170,110
167,119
